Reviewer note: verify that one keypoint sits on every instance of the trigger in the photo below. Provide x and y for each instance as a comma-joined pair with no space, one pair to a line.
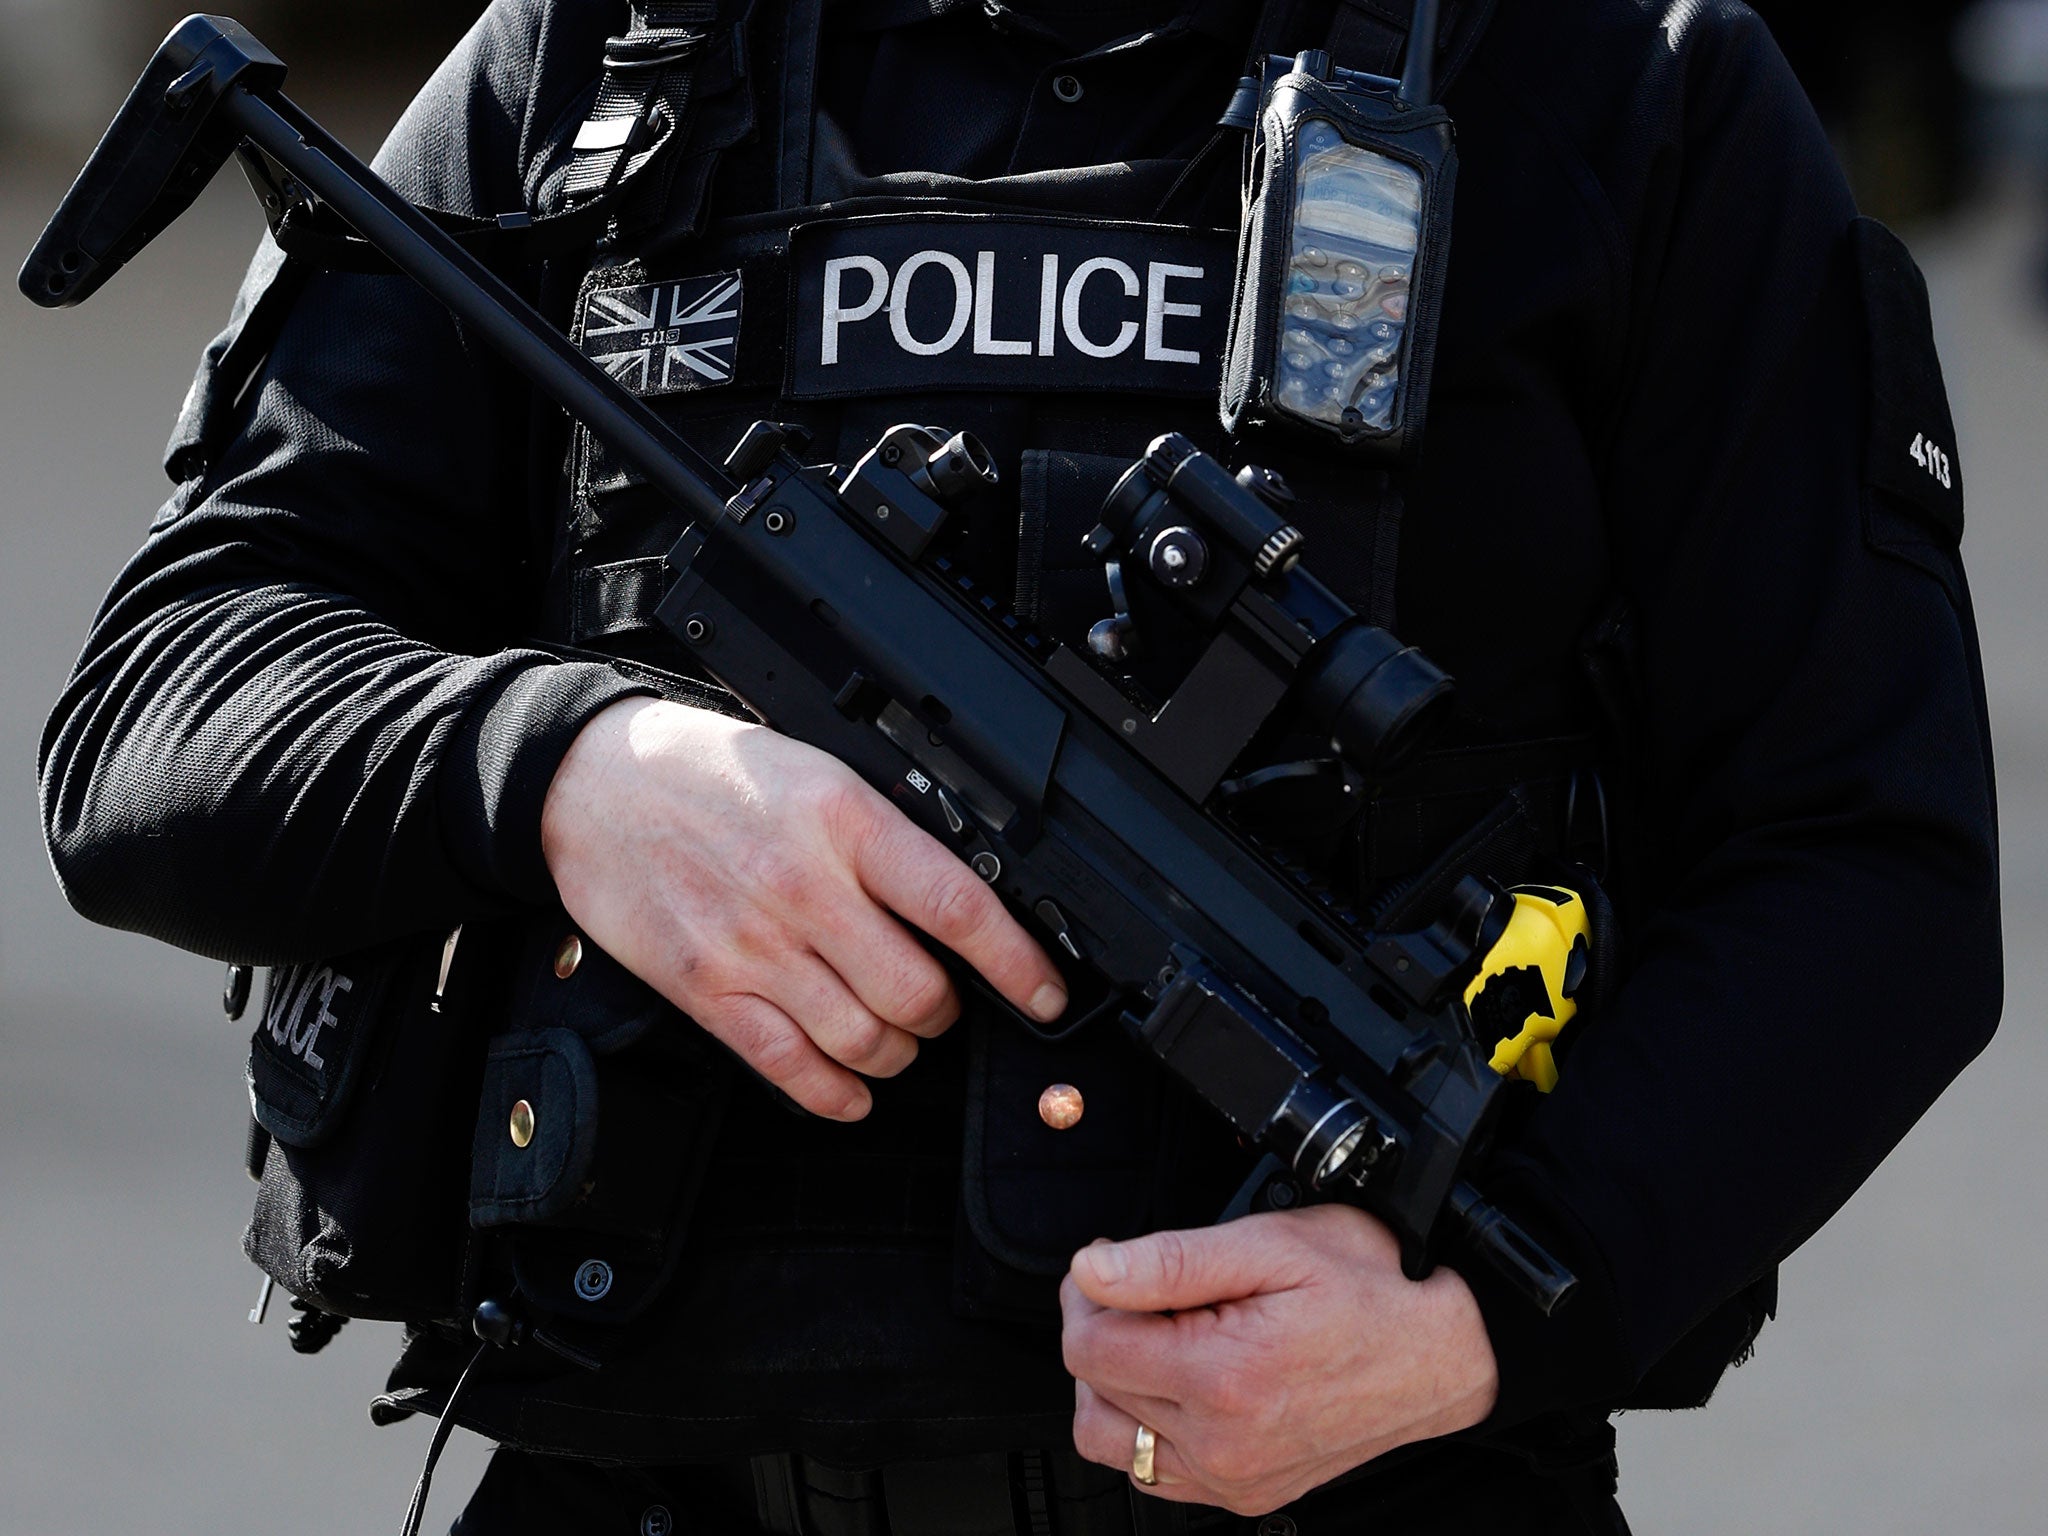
1056,922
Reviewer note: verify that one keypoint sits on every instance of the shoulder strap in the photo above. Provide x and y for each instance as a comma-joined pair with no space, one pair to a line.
644,97
622,162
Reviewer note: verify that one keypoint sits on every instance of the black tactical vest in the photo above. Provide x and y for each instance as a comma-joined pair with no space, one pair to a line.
719,1253
698,1270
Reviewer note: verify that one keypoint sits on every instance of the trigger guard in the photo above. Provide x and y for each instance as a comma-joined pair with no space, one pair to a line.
1108,1006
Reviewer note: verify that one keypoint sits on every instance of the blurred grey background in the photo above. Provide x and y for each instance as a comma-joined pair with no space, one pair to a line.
1902,1389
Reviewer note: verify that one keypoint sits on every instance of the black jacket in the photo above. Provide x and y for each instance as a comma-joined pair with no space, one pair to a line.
1673,371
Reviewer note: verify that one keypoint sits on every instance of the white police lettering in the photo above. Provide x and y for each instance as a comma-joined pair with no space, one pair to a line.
989,313
1048,303
1158,308
837,314
985,341
287,1020
899,303
325,1017
1070,306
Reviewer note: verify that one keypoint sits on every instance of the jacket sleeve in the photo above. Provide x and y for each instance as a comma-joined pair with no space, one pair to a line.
302,721
1816,945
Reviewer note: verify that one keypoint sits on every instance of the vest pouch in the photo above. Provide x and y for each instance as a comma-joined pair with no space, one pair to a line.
361,1069
1340,263
1144,1156
595,1122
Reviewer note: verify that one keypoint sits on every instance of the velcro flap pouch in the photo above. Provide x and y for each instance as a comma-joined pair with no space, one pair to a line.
536,1128
313,1045
600,1103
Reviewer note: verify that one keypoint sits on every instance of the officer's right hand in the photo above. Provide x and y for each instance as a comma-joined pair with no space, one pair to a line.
751,880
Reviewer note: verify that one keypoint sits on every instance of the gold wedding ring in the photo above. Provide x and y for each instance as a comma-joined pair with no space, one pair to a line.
1141,1458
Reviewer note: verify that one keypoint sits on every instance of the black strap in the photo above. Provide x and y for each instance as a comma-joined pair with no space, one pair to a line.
617,599
644,99
628,143
803,20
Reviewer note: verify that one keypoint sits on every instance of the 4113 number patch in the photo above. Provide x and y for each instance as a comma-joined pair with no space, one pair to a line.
1932,459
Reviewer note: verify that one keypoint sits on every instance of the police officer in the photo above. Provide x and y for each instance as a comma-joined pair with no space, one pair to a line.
1685,527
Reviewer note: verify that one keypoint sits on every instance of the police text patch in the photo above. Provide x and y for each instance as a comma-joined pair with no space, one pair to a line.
892,304
665,338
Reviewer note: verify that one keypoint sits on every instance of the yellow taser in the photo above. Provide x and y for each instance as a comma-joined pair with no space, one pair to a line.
1528,984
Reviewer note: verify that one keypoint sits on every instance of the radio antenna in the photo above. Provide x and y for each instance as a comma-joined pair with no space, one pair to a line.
1418,75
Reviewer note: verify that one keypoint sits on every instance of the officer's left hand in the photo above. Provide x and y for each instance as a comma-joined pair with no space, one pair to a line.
1296,1351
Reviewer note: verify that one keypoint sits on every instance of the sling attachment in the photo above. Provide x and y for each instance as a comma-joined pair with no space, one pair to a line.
622,156
315,237
643,99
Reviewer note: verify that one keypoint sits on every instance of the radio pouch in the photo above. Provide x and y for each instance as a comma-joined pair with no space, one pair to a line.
352,1069
1341,261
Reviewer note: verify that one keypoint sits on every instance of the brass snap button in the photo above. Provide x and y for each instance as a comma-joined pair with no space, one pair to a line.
522,1124
1060,1106
568,955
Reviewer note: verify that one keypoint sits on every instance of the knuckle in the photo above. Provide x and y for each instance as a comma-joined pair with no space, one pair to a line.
922,992
779,871
1172,1259
778,1054
955,906
1090,1432
902,1051
1077,1346
845,808
865,1043
758,931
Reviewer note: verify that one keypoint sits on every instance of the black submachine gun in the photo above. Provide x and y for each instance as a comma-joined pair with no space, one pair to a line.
825,599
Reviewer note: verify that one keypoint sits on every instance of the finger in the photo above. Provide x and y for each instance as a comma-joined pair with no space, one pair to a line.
1108,1436
912,874
1169,1420
1074,1303
892,974
769,1041
1134,1353
1173,1270
824,1007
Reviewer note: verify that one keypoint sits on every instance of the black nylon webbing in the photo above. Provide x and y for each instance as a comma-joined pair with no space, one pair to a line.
644,96
617,599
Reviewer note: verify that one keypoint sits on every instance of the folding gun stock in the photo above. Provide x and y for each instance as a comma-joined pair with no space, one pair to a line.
164,146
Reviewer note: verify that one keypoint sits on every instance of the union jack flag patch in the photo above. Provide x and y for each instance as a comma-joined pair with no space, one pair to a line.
665,338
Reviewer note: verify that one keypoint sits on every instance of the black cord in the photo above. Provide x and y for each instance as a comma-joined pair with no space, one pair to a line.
446,1427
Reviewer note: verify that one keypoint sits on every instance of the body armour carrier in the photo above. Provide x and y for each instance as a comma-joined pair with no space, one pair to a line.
1066,317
